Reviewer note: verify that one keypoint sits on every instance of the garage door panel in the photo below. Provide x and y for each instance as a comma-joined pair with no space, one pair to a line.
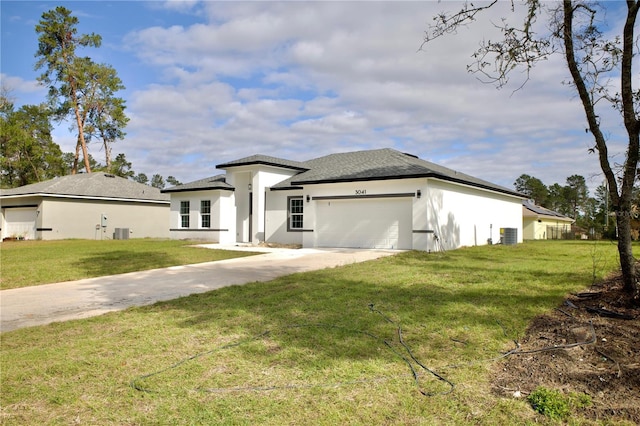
377,223
20,222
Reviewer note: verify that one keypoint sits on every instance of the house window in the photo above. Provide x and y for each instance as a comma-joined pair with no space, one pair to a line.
205,213
296,213
184,214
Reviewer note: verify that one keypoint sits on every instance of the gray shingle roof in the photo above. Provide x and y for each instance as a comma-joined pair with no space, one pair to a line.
90,185
536,210
266,160
213,182
380,164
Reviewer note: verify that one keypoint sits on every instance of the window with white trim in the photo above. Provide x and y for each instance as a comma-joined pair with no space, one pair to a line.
205,213
296,213
184,214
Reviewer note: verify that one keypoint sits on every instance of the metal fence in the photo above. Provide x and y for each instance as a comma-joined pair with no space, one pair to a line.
561,233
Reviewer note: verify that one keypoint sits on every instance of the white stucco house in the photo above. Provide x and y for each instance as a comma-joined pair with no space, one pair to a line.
540,223
366,199
88,206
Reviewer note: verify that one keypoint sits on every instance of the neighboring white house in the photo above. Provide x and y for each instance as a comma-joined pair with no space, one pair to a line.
89,206
539,223
366,199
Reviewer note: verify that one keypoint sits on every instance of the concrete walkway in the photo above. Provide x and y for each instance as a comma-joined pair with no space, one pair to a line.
44,304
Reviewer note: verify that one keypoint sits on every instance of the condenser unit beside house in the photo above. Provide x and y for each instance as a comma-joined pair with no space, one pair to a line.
121,234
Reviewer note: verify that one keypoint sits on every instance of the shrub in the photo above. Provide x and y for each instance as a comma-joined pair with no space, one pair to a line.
555,404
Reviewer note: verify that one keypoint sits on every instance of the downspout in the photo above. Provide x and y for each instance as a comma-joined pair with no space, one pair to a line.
264,217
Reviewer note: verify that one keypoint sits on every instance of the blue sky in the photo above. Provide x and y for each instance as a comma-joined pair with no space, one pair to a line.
209,82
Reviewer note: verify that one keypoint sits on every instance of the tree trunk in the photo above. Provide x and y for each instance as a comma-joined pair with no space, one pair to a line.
80,125
620,194
76,157
632,124
107,150
81,141
625,250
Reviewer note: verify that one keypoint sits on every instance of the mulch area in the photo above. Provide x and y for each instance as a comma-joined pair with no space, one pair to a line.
590,344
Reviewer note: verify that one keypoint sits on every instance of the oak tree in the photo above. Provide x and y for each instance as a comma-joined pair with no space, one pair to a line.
28,153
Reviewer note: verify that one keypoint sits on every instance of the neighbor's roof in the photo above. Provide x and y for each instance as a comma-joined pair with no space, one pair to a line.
380,164
265,160
213,182
529,209
90,185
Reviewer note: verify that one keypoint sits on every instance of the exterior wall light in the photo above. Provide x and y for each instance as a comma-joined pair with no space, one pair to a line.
308,198
418,193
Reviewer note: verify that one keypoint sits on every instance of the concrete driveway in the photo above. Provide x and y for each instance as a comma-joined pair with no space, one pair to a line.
44,304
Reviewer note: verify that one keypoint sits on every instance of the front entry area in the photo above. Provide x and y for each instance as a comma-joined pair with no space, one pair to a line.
380,223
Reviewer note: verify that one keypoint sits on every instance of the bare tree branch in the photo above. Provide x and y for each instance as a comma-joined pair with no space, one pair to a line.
601,70
448,24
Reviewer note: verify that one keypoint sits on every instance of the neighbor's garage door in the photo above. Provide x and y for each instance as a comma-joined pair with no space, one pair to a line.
20,222
365,223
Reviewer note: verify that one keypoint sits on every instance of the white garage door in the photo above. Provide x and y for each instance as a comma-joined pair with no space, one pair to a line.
20,222
365,223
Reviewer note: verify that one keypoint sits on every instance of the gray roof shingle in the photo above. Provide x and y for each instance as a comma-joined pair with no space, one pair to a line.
266,160
380,164
213,182
90,185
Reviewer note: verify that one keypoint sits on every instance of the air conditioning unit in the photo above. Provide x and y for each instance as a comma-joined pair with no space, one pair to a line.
121,234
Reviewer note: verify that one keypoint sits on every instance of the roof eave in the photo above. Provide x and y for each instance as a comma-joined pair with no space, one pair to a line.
208,188
482,186
286,188
551,217
84,197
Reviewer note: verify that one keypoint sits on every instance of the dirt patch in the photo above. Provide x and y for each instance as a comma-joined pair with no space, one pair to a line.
583,346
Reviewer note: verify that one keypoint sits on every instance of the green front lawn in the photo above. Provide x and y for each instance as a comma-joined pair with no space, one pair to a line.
26,263
312,348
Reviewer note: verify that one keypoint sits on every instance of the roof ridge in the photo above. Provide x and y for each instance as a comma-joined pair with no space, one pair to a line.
266,160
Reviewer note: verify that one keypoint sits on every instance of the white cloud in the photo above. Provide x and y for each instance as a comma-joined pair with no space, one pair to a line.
303,79
180,5
18,86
